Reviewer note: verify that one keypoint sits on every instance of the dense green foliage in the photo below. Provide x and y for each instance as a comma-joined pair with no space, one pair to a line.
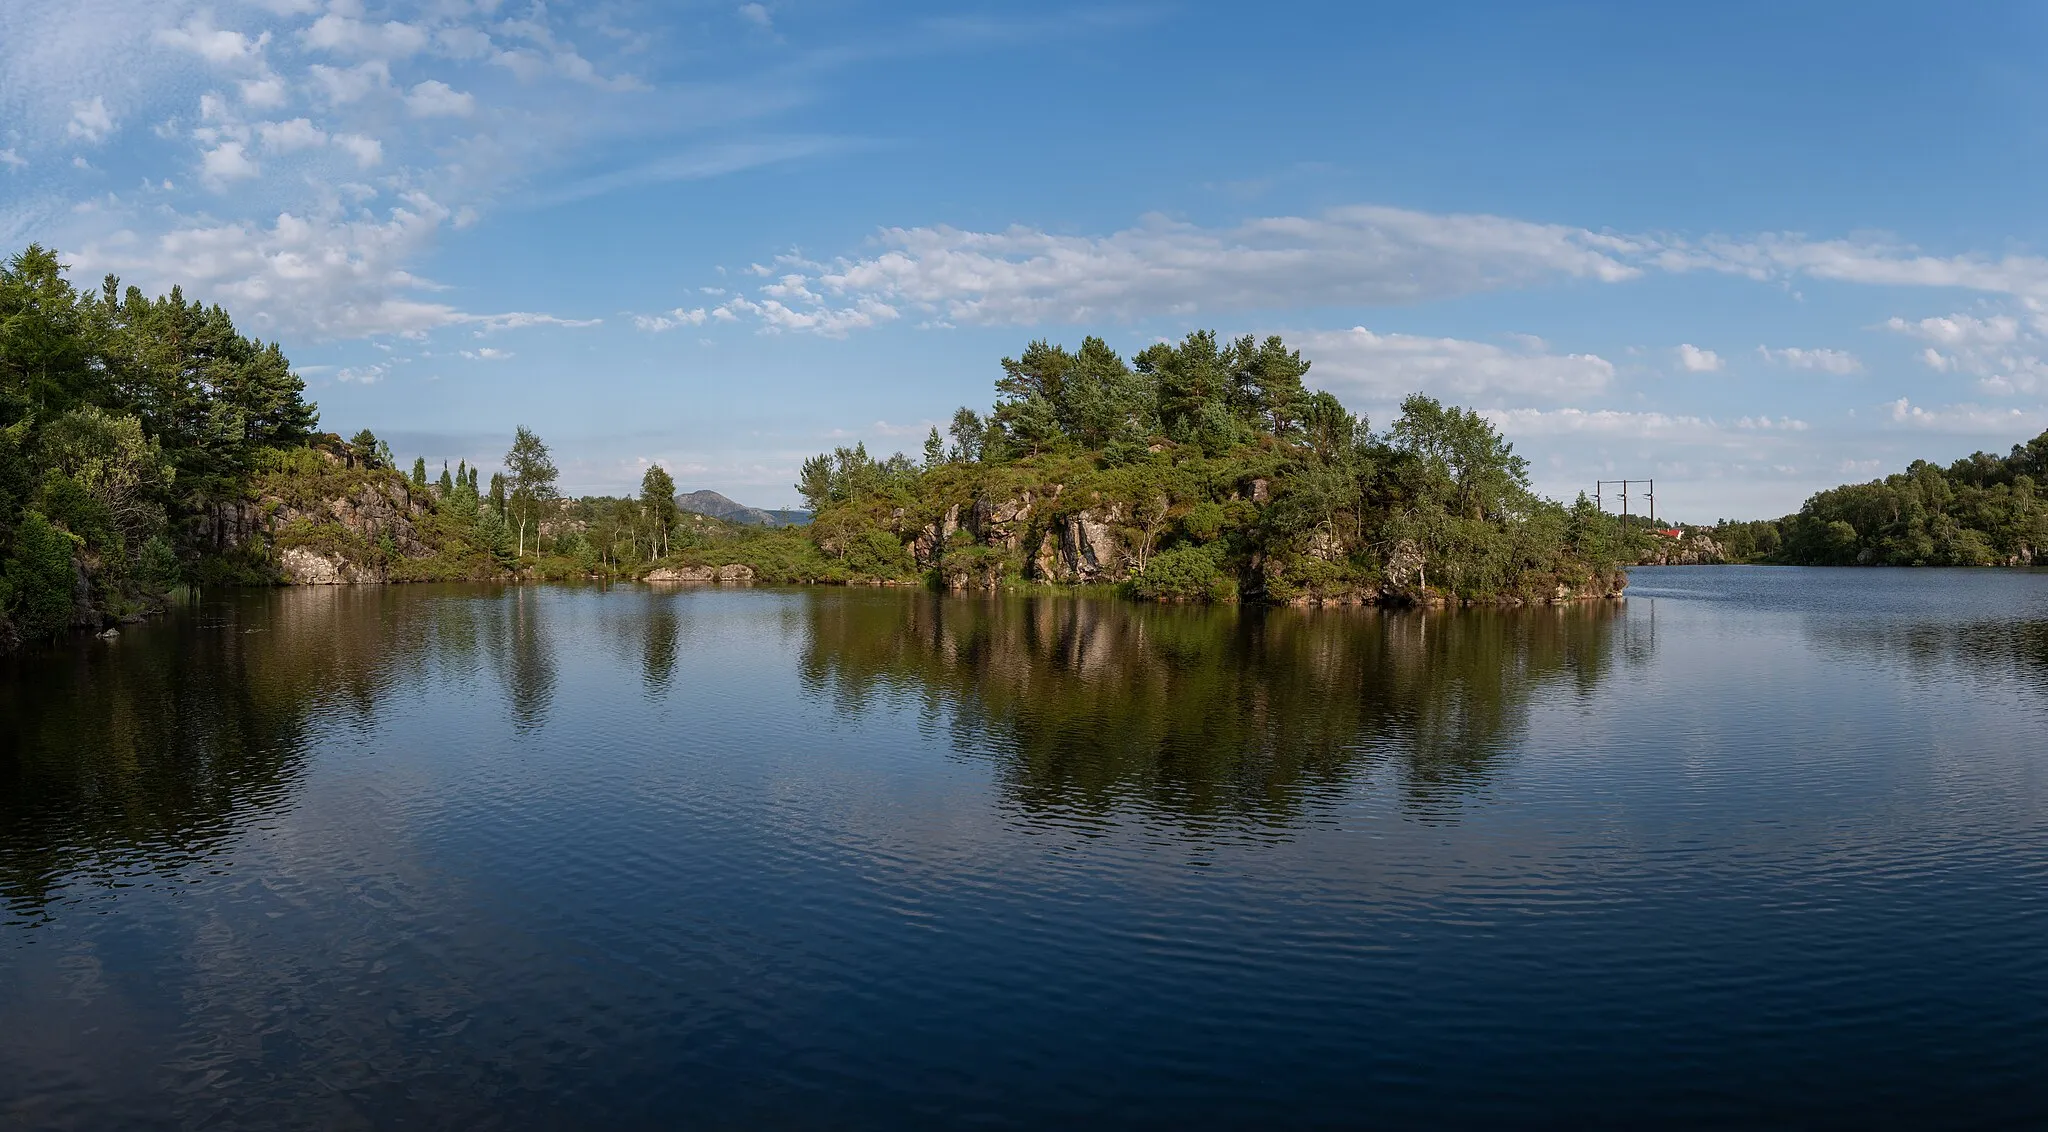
117,413
1982,510
145,444
1214,473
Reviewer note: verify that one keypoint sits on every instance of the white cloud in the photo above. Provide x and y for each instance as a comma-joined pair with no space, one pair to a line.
1821,360
1388,366
12,159
436,99
1781,424
462,42
486,354
226,162
90,120
363,375
1616,423
519,320
1358,254
678,317
2002,353
328,273
343,34
266,92
1966,418
217,46
368,152
757,14
343,85
1960,329
1696,360
826,321
286,137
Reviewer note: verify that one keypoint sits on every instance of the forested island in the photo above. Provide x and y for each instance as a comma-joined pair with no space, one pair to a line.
147,446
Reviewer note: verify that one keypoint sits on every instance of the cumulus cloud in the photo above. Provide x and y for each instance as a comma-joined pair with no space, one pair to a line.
368,152
436,99
757,14
1965,418
1696,360
287,137
2003,353
1839,362
226,162
288,230
658,323
1386,366
265,92
341,34
1960,329
486,354
342,85
90,120
216,45
813,316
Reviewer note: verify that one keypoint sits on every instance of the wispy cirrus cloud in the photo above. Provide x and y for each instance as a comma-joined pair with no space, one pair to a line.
302,160
1358,255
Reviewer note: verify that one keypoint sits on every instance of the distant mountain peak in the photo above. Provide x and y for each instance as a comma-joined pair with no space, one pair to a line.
717,506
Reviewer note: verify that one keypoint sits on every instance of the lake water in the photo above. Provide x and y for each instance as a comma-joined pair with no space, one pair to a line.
1759,847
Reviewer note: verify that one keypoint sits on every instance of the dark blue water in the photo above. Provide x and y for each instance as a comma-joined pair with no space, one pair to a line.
1761,848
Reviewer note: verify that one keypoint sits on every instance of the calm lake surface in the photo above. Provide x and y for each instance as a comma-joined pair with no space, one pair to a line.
1760,847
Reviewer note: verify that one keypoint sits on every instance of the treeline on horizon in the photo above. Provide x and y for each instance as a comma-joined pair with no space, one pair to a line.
137,432
1981,510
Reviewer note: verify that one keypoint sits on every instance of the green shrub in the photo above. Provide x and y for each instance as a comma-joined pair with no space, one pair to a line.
39,577
1185,573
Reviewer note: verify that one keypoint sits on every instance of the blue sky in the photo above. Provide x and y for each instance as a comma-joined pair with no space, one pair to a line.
1749,251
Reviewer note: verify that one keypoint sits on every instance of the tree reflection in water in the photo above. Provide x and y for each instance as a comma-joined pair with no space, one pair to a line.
1209,713
152,752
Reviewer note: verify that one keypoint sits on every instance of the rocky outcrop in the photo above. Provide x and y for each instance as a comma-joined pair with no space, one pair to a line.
373,512
1081,547
1405,566
667,574
931,539
1001,524
1697,549
1085,547
304,567
733,574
